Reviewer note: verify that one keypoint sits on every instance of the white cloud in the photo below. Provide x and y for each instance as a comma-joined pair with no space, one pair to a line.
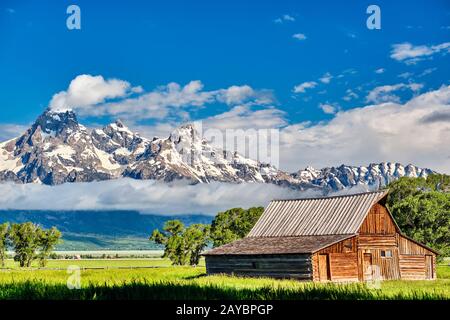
236,94
89,96
159,103
244,117
301,88
326,78
284,18
146,196
380,70
328,108
10,131
288,17
386,93
159,129
86,90
411,54
415,132
405,75
349,95
299,36
427,72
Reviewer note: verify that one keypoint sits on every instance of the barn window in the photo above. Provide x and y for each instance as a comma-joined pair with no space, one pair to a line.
255,265
386,253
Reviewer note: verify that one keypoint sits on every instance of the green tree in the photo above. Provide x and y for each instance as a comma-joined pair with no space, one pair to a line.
47,242
25,241
172,239
233,224
182,245
4,229
196,238
422,209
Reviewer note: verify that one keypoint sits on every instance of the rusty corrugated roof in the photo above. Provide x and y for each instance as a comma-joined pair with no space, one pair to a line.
277,245
315,216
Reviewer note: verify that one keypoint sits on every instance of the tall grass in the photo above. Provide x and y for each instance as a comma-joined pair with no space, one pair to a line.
169,290
192,283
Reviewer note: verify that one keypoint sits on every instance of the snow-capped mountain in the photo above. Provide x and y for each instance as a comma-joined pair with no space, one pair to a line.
57,149
54,150
373,176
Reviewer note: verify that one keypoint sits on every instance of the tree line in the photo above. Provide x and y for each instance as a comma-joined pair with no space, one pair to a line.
421,208
29,241
183,245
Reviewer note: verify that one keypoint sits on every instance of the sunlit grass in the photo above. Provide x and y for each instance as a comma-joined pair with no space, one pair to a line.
94,263
169,282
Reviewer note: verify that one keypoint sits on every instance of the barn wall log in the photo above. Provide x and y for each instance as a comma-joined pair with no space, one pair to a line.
412,267
374,241
296,266
315,266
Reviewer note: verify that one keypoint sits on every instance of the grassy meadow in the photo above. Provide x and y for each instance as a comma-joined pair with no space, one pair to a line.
163,281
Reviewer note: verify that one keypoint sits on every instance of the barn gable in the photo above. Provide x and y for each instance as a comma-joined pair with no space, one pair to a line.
379,221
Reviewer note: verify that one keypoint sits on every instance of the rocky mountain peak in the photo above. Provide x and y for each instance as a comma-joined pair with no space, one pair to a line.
56,123
186,133
119,124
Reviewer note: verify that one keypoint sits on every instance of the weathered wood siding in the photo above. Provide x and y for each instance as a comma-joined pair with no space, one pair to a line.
412,267
296,266
413,260
378,233
342,267
407,246
343,262
386,267
378,221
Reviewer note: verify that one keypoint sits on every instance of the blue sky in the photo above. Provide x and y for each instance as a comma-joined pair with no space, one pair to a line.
334,64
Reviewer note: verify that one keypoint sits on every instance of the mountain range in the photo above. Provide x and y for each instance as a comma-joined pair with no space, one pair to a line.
58,149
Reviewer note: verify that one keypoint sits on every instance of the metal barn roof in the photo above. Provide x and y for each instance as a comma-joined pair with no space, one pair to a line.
316,216
276,245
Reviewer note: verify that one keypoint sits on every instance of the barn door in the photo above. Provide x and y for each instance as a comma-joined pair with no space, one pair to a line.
429,267
324,267
367,267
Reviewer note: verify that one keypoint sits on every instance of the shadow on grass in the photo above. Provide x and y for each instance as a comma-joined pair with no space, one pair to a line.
198,276
166,290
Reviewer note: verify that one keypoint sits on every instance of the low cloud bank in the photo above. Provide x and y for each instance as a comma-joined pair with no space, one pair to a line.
145,196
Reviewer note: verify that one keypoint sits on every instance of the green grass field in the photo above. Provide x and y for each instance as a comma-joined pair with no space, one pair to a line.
96,263
163,281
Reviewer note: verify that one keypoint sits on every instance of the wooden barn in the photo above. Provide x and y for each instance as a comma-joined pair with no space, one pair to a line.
343,238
